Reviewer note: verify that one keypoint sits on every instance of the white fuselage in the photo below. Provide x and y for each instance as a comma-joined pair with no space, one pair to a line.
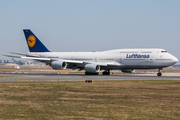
119,58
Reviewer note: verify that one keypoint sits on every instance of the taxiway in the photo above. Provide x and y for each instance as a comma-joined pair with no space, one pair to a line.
80,77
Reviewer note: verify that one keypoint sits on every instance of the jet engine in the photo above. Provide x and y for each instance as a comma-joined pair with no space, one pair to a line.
92,68
59,65
128,71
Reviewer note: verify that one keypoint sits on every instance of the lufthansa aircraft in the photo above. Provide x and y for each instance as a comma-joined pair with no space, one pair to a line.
126,60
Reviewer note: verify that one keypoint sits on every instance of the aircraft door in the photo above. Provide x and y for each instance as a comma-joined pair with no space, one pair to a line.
120,59
151,60
95,59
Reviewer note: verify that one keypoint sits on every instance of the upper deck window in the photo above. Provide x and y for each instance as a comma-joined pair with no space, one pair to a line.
163,51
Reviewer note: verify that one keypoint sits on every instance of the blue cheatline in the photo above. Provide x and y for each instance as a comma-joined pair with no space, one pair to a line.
34,44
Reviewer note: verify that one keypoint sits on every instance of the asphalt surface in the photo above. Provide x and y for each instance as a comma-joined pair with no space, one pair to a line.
40,76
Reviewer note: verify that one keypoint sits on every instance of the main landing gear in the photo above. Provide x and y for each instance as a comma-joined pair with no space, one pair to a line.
106,72
159,72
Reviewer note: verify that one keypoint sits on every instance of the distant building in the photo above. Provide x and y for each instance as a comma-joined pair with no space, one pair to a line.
29,63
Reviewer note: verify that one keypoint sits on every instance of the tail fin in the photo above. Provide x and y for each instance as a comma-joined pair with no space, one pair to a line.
34,44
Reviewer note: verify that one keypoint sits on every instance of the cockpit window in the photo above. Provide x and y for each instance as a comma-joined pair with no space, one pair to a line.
163,51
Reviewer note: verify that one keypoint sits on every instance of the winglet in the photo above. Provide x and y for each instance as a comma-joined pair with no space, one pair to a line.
34,44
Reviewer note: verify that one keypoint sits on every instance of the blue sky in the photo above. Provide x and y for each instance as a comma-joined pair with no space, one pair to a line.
91,25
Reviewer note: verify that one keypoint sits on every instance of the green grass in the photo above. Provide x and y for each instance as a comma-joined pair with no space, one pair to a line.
136,99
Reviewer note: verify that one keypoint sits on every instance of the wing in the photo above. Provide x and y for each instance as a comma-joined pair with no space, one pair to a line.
73,64
45,60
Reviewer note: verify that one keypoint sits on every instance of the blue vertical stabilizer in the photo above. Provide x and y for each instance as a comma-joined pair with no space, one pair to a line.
34,44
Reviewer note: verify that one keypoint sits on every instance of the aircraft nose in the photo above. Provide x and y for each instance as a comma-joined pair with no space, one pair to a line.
175,60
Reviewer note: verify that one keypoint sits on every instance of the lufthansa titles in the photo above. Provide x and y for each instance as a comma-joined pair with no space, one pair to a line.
137,56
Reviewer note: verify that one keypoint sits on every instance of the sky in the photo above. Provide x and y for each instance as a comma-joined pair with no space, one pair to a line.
91,25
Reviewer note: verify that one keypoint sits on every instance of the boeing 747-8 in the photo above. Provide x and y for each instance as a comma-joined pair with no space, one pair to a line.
126,60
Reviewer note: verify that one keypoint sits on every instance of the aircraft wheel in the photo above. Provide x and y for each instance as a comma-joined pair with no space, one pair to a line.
159,74
88,73
96,73
106,73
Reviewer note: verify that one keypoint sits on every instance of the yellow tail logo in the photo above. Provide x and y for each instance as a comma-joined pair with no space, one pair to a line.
31,41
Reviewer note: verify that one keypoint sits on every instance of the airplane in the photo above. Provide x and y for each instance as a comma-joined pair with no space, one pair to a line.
126,60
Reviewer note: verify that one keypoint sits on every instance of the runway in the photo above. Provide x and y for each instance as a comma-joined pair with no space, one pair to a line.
80,77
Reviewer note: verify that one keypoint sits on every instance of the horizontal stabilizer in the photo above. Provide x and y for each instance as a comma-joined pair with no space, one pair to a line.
12,56
24,54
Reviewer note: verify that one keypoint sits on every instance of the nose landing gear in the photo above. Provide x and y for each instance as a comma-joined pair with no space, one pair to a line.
159,72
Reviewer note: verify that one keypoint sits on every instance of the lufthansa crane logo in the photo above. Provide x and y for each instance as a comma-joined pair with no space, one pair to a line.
31,41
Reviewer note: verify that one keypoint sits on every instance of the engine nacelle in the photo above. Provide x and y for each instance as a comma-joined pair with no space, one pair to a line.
128,71
92,68
59,65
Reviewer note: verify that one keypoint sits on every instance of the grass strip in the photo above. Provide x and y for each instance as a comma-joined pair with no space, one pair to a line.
128,99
